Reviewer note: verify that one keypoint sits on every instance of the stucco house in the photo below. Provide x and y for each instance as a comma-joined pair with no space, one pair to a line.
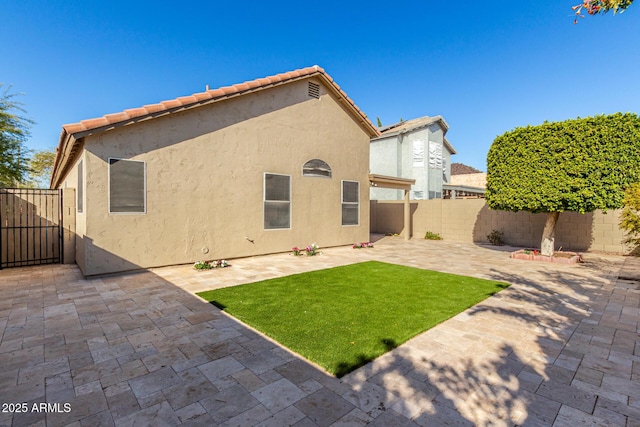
466,182
244,170
414,149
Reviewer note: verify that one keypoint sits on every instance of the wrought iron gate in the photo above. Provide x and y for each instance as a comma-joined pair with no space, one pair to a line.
30,226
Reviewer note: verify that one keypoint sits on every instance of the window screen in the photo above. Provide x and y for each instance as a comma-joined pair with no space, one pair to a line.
277,201
126,186
350,202
316,167
80,193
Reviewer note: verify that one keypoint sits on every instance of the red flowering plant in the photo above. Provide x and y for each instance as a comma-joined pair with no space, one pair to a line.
312,249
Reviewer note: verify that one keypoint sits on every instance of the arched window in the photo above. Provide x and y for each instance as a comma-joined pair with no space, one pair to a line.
316,167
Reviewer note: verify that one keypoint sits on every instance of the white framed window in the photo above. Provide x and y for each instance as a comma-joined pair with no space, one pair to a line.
350,202
277,201
317,168
127,186
80,188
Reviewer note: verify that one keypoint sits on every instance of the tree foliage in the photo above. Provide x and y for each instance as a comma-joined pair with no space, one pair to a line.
14,131
594,7
577,165
630,216
40,168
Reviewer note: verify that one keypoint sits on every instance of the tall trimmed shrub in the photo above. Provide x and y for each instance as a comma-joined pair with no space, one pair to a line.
630,217
577,165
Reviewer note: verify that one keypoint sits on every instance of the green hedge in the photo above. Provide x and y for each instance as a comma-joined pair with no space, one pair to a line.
577,165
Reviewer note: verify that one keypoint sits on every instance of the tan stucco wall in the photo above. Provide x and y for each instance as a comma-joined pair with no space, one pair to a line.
70,182
470,179
471,220
205,170
69,225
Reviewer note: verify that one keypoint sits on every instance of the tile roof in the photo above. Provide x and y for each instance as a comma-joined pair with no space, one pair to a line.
414,124
146,112
462,169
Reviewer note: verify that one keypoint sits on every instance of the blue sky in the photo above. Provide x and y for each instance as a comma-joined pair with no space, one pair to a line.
485,67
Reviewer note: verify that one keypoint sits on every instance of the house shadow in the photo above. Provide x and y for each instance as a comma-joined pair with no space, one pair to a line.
387,217
108,261
574,231
30,219
209,357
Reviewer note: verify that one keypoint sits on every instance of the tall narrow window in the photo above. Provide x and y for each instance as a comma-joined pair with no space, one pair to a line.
350,202
277,201
127,186
80,191
316,167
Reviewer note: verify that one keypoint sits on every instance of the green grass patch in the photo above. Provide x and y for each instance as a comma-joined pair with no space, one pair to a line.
343,317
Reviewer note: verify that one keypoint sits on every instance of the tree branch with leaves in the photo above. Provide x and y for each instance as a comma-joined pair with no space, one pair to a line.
40,168
14,131
594,7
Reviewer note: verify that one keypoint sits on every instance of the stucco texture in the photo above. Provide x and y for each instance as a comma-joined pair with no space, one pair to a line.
204,181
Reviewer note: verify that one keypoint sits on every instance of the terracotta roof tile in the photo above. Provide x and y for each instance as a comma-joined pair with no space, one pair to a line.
228,90
116,117
186,100
95,123
253,84
193,100
136,112
263,81
74,127
154,108
216,93
173,103
205,96
202,96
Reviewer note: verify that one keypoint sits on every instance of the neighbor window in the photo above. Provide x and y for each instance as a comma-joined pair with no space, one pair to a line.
316,167
80,192
350,202
127,186
277,201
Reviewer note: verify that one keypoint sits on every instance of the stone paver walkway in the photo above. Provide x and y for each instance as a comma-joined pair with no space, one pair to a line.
559,347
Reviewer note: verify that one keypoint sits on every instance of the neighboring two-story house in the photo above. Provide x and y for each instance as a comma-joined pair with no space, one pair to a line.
415,149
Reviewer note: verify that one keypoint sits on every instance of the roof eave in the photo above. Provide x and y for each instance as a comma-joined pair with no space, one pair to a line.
85,128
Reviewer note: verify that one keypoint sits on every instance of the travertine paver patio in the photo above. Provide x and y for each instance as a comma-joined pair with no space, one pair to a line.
559,347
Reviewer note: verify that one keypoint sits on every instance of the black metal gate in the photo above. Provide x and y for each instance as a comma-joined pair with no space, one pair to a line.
30,226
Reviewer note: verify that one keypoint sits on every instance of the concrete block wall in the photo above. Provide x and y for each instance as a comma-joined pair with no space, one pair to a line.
471,220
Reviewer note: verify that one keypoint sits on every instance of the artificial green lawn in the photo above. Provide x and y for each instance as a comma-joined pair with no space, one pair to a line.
344,317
